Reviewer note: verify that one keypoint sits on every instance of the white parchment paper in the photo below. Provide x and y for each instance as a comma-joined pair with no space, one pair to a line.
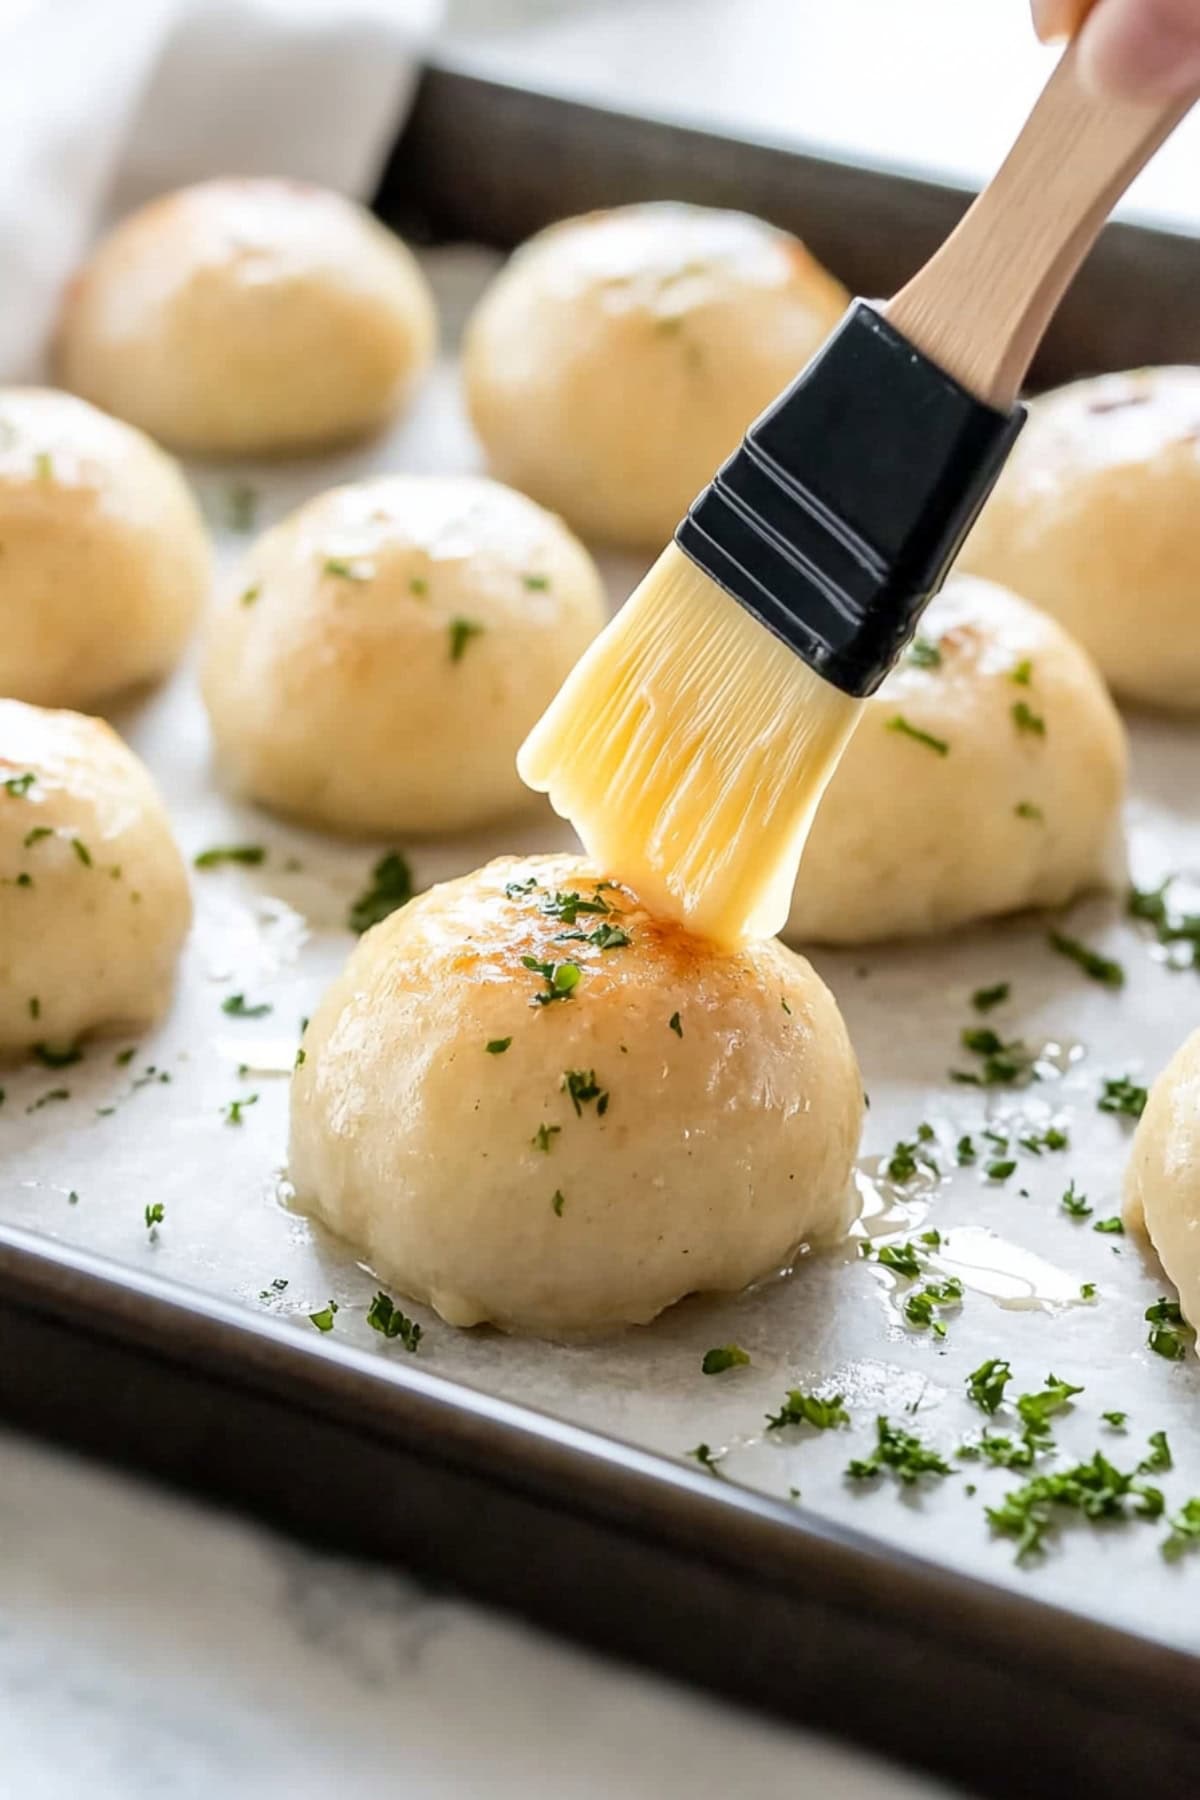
157,1129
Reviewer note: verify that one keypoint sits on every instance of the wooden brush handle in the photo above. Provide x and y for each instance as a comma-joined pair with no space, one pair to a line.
980,305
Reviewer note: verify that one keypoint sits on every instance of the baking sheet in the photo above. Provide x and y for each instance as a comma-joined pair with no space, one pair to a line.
84,1169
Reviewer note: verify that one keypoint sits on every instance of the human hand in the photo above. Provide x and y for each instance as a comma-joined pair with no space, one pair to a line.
1143,48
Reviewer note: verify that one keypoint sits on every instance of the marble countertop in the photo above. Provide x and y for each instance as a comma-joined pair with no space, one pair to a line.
154,1650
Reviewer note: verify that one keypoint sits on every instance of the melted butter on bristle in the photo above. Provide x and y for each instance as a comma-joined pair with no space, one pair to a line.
689,748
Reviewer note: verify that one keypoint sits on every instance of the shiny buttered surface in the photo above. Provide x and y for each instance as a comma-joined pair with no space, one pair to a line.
529,1102
985,776
384,651
1162,1184
104,562
618,358
94,901
247,317
1095,520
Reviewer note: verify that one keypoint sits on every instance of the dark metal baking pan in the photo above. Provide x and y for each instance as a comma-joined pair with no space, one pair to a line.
618,1548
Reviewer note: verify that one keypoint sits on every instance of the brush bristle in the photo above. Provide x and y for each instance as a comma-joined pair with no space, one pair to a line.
689,748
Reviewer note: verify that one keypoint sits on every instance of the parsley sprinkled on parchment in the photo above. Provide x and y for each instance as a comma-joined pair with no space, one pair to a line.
707,1458
1096,967
822,1412
247,855
1176,930
544,1136
1109,1227
986,1384
985,998
1121,1095
237,1007
461,632
900,724
57,1056
154,1215
1170,1335
1095,1489
902,1259
1003,1062
1184,1530
924,653
1075,1203
384,1316
323,1320
232,1113
390,887
722,1357
922,1307
900,1453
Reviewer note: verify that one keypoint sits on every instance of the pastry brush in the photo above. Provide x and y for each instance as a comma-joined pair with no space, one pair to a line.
691,745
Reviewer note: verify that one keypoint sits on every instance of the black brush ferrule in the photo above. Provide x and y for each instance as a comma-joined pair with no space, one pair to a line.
837,520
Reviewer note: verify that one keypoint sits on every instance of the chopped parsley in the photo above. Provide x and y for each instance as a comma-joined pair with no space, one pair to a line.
903,1258
384,1316
900,1452
900,724
1096,967
925,653
1121,1095
1004,1063
561,979
544,1136
1115,1419
605,937
1036,1410
301,1058
250,595
986,1384
823,1413
999,1171
1179,931
1109,1227
922,1306
1184,1534
537,584
48,1099
461,633
582,1087
1025,719
35,836
1022,672
908,1159
154,1215
17,786
568,906
248,855
722,1357
1053,1138
1170,1335
277,1287
1158,1459
983,999
964,1150
1025,809
558,1202
43,465
344,570
233,1112
391,887
707,1458
516,890
235,1005
497,1046
418,587
675,1024
82,852
1095,1489
1075,1204
323,1320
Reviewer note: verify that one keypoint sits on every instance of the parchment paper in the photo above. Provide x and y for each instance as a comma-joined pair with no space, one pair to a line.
275,933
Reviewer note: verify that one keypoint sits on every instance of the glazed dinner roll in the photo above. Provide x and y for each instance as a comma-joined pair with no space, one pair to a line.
387,648
618,358
245,318
103,557
94,902
1162,1183
1094,519
985,776
528,1101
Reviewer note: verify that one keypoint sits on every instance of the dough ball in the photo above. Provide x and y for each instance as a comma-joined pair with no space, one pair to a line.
616,361
1162,1183
94,901
1094,519
103,556
1011,797
679,1121
388,647
245,318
